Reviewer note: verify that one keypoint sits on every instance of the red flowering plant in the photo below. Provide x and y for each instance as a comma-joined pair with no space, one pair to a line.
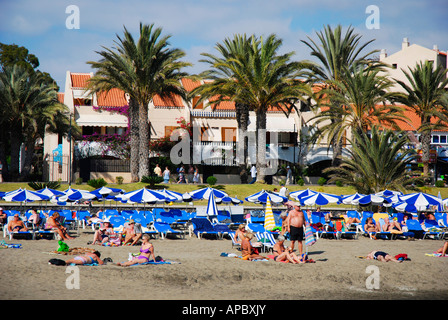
112,144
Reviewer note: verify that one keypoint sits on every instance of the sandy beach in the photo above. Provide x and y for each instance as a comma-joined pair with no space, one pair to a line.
201,273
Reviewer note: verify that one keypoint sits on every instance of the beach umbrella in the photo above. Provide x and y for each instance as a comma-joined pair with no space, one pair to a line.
229,200
176,196
50,192
212,209
421,200
144,195
103,192
204,193
404,207
262,196
320,199
76,195
269,221
370,199
388,193
24,195
301,193
440,206
350,198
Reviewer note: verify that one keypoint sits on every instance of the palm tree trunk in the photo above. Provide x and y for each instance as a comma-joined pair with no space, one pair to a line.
134,139
426,143
143,152
15,149
29,153
261,144
337,152
242,119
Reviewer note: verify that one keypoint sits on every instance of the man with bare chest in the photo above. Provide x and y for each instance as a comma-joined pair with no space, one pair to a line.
294,224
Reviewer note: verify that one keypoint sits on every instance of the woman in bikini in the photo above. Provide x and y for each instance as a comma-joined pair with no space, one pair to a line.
281,254
370,226
88,258
146,251
239,233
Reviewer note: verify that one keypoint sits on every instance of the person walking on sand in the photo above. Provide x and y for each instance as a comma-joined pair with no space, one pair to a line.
294,225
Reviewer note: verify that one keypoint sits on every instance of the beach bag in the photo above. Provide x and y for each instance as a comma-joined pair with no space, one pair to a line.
57,262
309,236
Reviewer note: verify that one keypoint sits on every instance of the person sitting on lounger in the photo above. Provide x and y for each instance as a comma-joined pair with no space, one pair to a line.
282,254
87,258
16,224
370,225
391,225
53,224
249,252
239,233
381,256
103,234
146,252
132,233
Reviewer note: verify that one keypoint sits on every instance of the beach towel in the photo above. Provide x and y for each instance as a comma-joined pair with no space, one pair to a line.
309,237
435,254
75,251
10,246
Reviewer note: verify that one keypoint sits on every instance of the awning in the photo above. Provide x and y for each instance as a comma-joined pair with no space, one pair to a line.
274,124
102,120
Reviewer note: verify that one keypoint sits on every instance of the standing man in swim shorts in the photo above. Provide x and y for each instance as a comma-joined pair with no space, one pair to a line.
294,225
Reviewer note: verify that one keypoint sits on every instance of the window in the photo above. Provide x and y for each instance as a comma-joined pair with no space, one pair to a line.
228,134
435,139
199,106
394,66
442,139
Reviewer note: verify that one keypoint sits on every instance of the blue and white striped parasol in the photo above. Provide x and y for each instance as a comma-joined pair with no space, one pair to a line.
145,196
320,199
262,196
24,195
421,200
204,193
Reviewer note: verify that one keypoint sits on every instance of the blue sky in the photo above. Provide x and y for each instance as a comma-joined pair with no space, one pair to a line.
197,25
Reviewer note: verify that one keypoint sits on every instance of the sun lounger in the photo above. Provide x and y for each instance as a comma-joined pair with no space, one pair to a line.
203,226
267,240
164,229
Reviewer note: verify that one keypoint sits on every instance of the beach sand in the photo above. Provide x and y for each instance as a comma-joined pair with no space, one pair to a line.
202,274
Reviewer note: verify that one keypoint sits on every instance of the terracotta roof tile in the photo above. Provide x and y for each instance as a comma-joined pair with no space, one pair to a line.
113,98
79,80
61,97
189,84
176,101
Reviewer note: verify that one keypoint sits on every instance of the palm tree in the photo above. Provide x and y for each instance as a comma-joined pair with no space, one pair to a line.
375,162
256,76
141,69
427,97
337,52
231,51
359,100
28,105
